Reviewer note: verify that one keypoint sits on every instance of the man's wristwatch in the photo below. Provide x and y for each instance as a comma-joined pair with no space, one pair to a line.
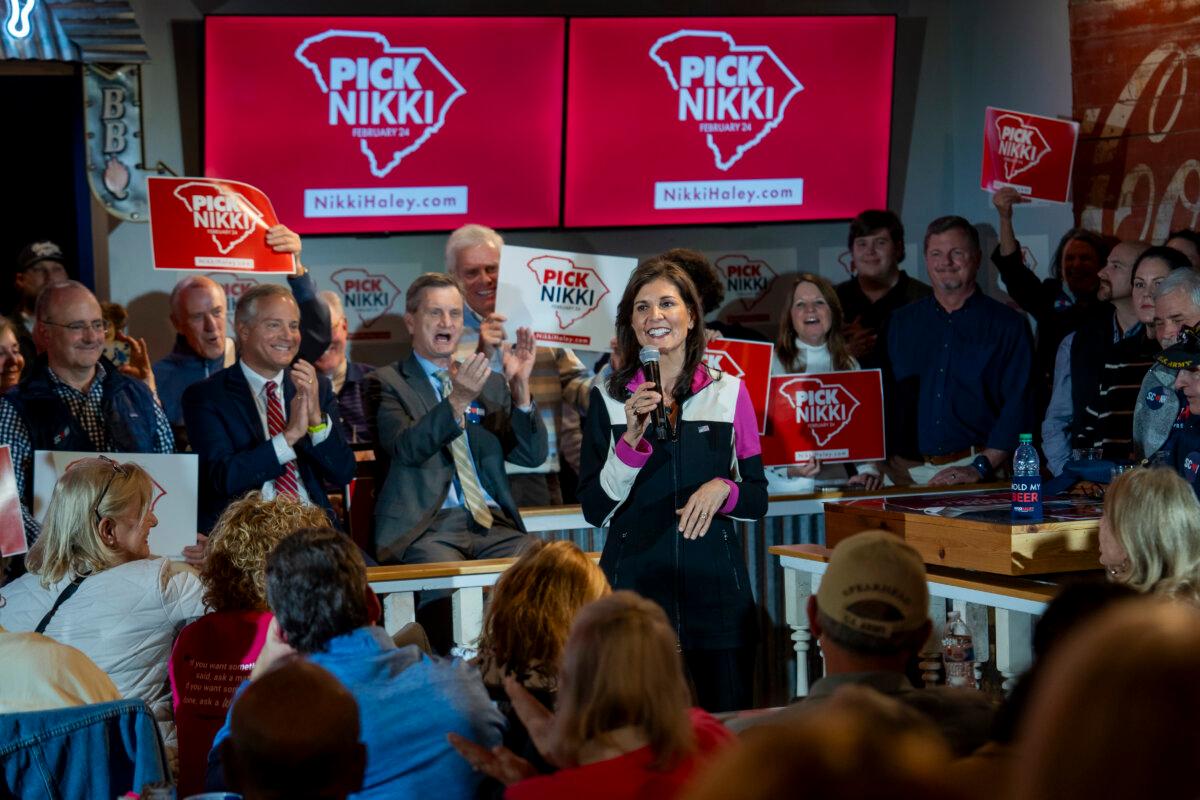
983,467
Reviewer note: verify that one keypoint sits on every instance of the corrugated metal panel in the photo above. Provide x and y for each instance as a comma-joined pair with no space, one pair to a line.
91,31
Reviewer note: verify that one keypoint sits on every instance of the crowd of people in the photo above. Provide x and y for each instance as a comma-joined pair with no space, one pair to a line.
588,680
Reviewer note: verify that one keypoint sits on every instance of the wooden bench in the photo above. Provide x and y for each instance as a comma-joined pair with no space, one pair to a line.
1016,603
466,580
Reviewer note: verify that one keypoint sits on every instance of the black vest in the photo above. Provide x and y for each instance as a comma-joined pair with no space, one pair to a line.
127,410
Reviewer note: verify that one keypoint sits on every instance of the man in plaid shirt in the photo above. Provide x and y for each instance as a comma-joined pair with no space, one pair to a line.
73,398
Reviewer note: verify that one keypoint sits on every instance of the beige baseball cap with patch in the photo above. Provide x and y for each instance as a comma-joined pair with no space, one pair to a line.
875,584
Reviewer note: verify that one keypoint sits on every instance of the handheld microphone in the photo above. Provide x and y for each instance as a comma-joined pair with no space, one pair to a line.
658,416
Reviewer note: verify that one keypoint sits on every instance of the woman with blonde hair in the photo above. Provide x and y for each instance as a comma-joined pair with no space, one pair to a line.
623,726
93,584
809,339
1150,533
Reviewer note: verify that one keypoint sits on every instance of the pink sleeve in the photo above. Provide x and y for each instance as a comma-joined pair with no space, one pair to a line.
634,457
730,501
745,426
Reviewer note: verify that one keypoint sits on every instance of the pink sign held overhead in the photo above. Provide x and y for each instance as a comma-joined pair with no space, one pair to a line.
210,224
1029,153
832,417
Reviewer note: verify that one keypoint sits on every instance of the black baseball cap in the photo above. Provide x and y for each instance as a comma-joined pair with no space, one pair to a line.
1185,353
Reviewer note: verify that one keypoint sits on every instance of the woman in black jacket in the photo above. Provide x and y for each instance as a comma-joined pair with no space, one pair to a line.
670,504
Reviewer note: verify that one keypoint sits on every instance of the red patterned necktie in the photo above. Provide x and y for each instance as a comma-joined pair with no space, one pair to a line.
289,482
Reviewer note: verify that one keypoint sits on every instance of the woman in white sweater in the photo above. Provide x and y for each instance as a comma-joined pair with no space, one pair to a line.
810,340
93,584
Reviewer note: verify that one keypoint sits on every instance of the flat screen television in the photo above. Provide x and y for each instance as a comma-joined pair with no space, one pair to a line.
382,124
674,121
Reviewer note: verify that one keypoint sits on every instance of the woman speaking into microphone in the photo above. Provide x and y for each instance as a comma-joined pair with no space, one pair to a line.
670,493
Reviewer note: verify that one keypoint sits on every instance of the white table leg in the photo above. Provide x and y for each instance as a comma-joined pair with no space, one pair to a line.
797,586
466,609
399,609
931,654
1014,645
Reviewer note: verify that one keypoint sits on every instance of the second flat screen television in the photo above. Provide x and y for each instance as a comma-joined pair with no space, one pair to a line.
721,120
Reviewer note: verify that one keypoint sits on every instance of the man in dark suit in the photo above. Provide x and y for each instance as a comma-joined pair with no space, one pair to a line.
447,428
259,424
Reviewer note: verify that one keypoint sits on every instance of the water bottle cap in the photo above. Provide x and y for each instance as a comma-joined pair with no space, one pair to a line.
1025,438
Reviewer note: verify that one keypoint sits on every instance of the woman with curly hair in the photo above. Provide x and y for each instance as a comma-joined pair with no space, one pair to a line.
234,570
225,644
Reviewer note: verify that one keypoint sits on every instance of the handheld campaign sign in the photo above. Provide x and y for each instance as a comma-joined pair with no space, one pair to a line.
211,224
12,526
178,474
749,361
1029,153
832,416
565,298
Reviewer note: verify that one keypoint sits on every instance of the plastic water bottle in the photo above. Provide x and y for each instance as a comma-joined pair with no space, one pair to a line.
1026,482
958,652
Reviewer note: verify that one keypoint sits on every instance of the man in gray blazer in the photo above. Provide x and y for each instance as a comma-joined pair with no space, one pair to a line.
445,430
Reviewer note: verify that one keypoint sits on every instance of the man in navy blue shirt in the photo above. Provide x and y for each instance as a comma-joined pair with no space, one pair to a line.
968,358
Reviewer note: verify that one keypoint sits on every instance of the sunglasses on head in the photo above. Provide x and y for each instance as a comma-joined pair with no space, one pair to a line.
117,469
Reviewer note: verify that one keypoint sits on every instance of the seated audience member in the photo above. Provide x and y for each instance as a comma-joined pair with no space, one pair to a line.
1082,352
269,422
871,619
228,639
1162,409
1107,419
198,314
989,769
73,398
446,429
559,383
860,744
1181,450
12,361
1186,242
325,611
349,378
40,264
877,287
1058,304
525,627
93,584
1150,533
968,358
1114,712
810,340
294,733
622,727
40,674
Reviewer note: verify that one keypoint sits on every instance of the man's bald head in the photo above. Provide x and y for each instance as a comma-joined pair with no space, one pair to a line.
339,330
198,312
69,329
294,732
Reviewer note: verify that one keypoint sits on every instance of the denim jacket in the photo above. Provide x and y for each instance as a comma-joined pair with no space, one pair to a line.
102,750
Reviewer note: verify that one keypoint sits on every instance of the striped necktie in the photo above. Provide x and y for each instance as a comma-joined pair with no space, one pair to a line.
467,479
289,482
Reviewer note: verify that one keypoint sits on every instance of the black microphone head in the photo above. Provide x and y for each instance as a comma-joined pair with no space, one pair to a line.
648,354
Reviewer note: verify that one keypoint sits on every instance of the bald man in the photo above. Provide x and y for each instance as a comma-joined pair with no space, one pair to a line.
280,748
349,378
74,398
199,313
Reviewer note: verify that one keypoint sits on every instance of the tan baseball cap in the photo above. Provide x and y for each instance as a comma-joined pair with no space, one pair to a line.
875,584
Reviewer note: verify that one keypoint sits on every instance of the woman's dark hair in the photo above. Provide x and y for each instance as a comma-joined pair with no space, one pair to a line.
627,343
1098,243
785,336
1168,255
709,283
317,588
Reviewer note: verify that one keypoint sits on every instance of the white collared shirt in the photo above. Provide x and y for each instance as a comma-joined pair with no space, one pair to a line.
283,451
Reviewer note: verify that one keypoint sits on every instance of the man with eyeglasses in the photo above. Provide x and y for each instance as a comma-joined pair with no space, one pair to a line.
73,397
967,358
39,265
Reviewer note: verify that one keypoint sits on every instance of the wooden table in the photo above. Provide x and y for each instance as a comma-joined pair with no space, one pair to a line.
1016,602
984,540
